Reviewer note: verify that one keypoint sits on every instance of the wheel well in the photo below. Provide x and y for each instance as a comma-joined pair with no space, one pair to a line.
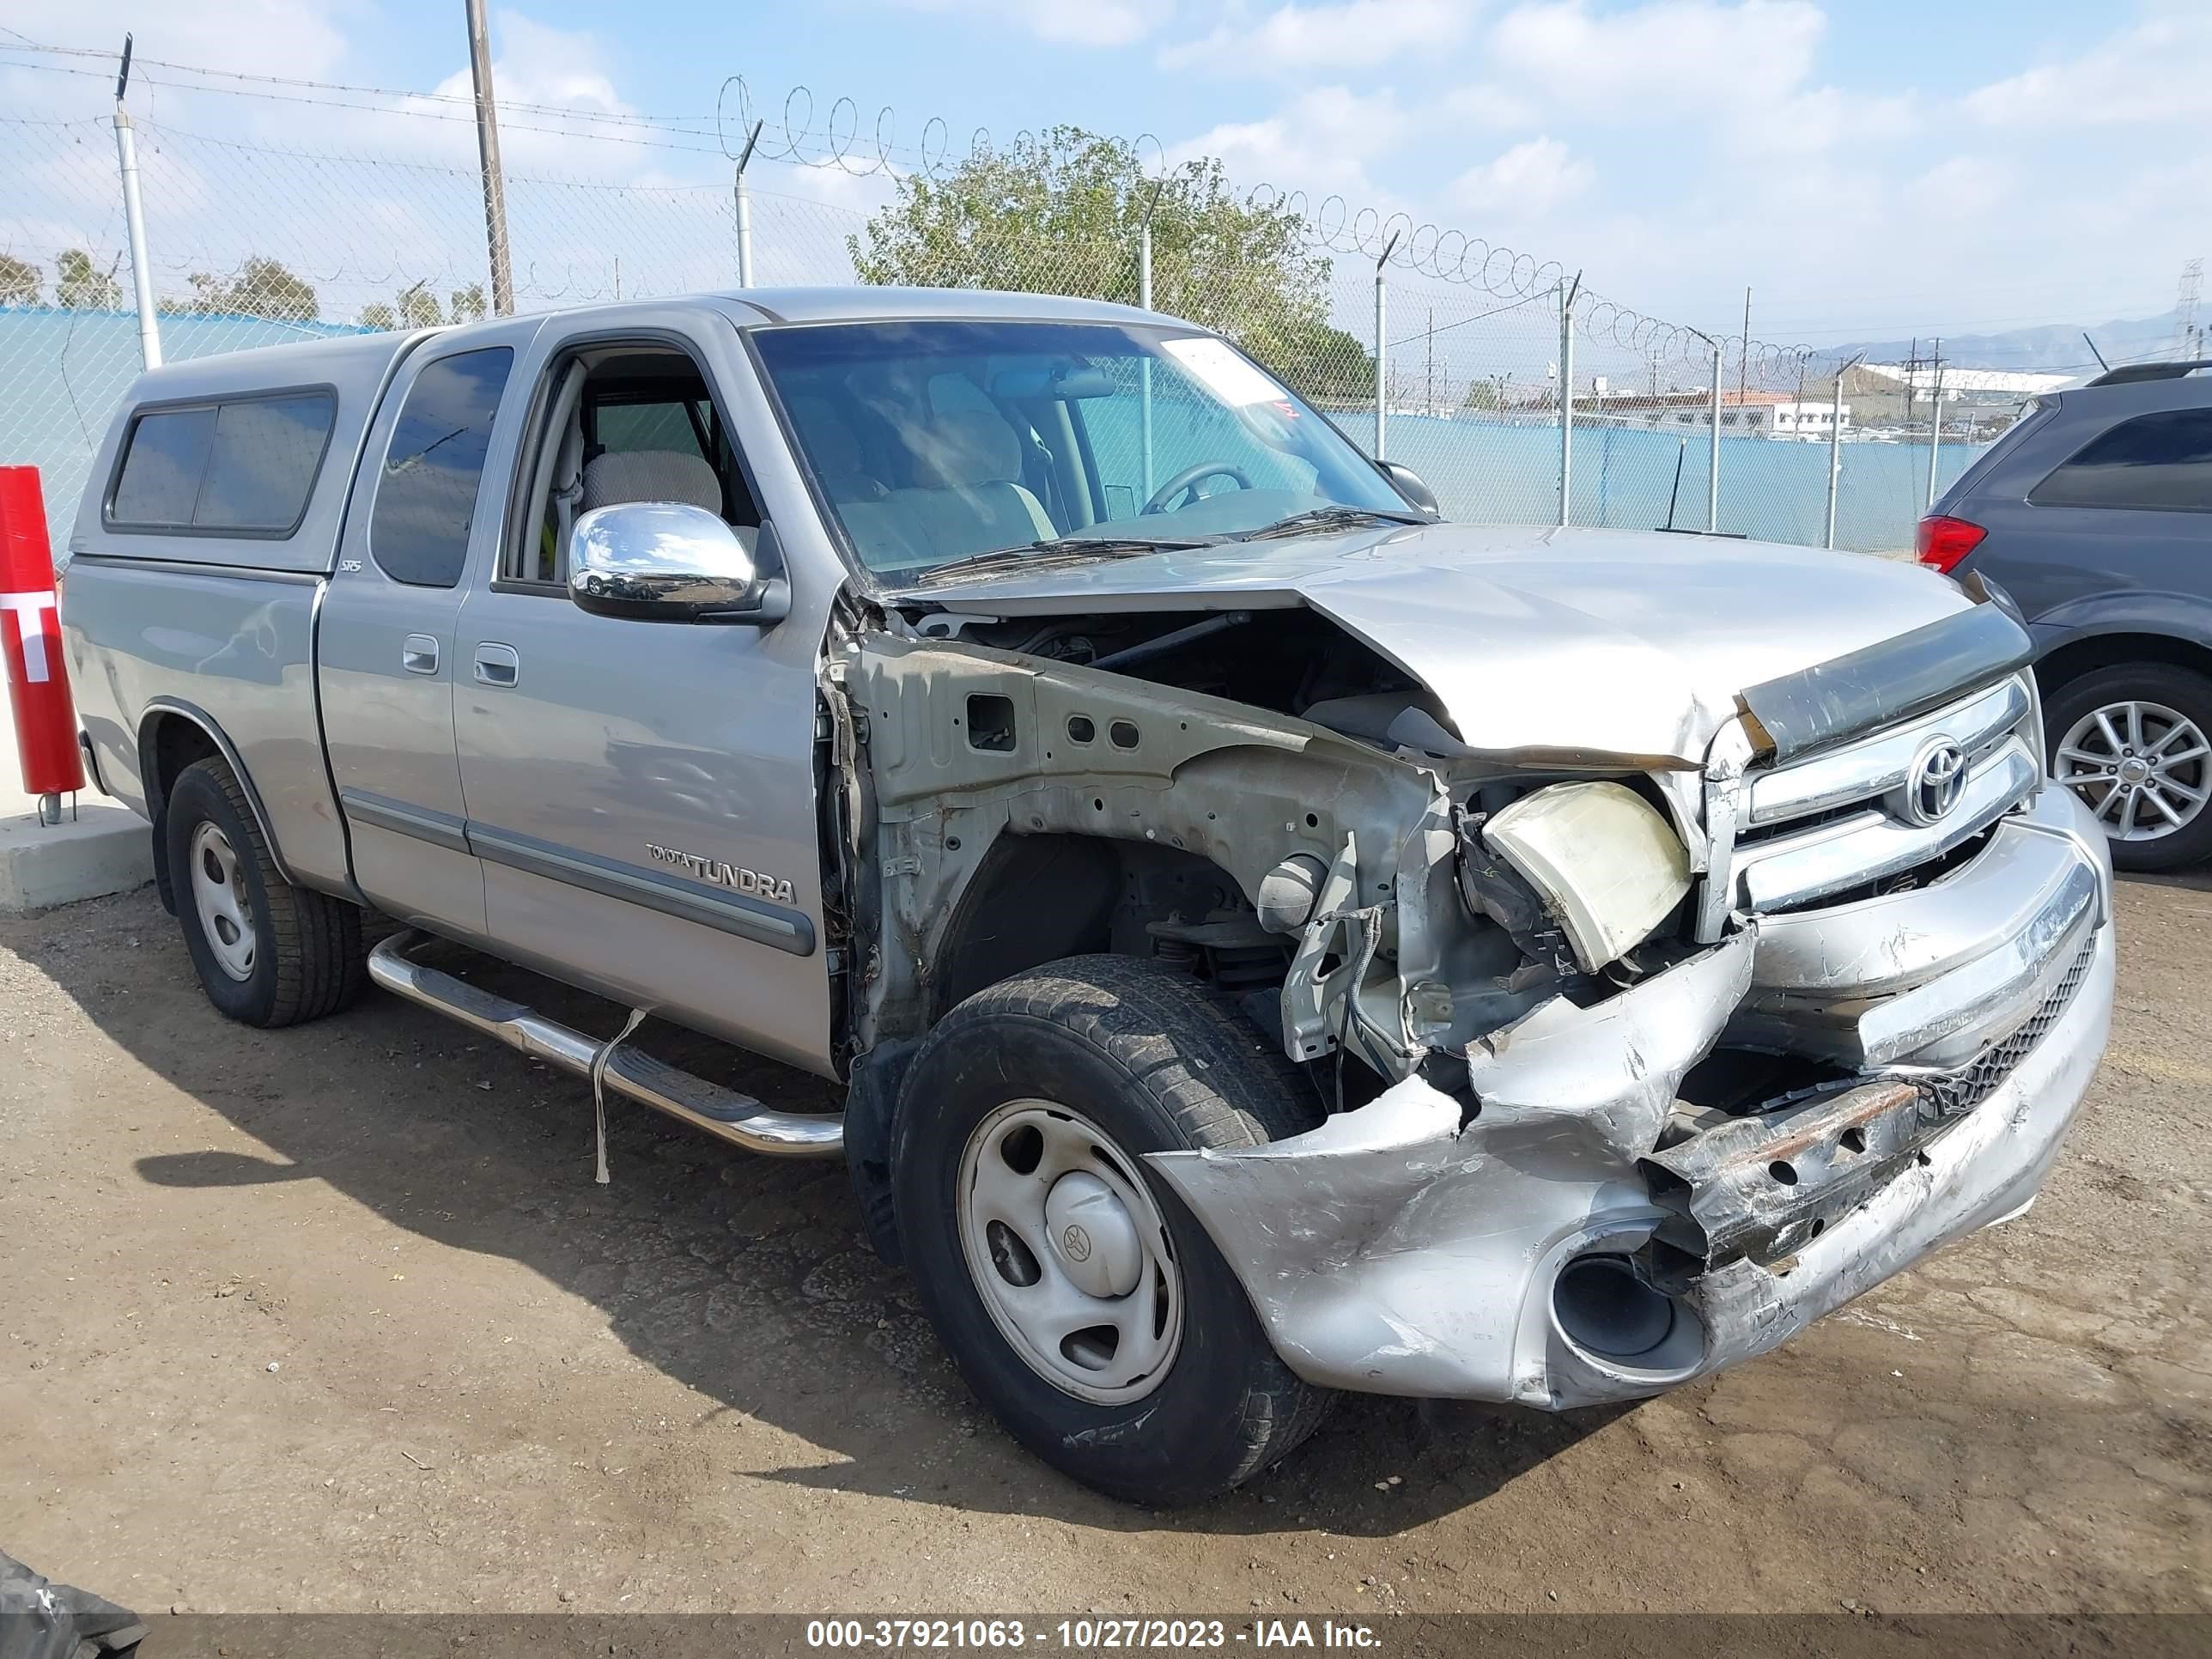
169,744
1035,899
2078,657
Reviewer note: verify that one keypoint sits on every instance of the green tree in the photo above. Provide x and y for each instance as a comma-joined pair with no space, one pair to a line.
19,282
79,285
467,305
418,307
1060,212
1483,394
261,287
377,314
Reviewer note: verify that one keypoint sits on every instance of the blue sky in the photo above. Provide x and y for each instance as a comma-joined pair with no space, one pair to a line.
1870,167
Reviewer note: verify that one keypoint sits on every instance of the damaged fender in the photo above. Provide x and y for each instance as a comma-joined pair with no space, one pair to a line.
1409,1247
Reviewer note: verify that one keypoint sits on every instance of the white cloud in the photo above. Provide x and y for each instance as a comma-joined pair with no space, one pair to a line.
1354,34
1319,142
1067,22
1531,178
2158,70
298,38
1668,57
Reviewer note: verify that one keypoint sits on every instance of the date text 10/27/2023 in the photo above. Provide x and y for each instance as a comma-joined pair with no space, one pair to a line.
1091,1635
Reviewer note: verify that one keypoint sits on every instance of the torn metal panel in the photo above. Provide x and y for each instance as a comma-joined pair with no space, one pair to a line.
967,744
1397,1247
1605,1078
1983,1169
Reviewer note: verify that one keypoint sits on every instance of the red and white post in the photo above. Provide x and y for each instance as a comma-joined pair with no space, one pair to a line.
31,647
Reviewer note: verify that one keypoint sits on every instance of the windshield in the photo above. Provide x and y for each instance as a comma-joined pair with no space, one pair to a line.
934,442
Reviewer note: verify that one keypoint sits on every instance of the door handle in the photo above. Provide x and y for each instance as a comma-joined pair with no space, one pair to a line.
418,654
497,665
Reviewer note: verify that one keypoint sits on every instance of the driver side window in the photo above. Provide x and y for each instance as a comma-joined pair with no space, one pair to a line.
622,424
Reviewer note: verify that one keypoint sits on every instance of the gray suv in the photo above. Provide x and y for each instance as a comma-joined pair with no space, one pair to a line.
2092,513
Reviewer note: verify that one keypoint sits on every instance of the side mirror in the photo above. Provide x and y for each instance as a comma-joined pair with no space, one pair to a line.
1411,487
667,562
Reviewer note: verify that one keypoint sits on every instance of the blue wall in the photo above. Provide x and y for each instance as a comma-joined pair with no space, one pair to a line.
64,374
1771,490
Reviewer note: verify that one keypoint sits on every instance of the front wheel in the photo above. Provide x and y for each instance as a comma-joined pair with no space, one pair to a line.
2132,741
1082,1302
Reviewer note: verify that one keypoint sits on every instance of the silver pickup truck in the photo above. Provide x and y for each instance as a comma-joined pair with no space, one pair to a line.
1271,941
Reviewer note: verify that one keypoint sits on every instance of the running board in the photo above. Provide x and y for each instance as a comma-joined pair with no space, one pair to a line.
724,1113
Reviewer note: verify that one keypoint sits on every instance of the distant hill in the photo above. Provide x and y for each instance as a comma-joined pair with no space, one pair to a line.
2056,347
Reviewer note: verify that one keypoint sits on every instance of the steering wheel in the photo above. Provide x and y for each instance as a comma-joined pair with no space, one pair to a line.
1189,477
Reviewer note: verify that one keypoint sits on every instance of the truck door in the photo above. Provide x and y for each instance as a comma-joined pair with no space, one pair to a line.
385,640
641,794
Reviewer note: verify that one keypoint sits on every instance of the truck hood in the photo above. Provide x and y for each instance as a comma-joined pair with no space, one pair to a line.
1544,646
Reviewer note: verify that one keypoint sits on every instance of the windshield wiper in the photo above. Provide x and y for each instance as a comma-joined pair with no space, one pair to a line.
1053,554
1336,516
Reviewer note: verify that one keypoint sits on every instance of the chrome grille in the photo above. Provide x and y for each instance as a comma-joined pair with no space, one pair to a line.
1833,821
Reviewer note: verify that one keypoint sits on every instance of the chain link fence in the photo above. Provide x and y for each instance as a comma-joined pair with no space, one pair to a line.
1442,351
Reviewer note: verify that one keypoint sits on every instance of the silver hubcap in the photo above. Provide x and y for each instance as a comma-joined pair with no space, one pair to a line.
2145,770
219,896
1069,1252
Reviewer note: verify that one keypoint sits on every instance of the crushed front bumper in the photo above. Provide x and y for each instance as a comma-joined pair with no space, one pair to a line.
1411,1247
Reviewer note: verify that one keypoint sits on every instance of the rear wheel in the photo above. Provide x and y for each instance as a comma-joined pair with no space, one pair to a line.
1085,1306
268,953
2135,742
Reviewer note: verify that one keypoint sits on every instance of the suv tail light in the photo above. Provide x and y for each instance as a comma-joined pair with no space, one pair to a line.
1942,542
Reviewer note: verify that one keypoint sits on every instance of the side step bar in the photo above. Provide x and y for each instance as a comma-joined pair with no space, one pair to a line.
724,1113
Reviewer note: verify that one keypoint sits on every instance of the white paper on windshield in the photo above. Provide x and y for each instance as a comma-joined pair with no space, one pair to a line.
1224,373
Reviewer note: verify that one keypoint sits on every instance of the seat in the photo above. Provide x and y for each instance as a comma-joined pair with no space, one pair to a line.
970,498
651,475
834,449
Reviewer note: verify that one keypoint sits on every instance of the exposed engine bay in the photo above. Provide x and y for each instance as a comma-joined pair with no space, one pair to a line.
1587,1010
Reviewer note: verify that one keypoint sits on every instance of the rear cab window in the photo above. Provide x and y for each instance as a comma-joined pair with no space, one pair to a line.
433,471
242,466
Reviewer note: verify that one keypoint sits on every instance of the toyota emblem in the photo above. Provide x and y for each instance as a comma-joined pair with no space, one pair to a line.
1937,778
1076,1243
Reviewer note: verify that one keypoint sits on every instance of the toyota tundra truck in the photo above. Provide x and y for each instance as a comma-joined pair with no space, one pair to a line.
1270,941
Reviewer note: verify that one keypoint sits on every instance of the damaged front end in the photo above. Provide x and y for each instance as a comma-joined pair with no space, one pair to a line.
1869,1043
1634,1065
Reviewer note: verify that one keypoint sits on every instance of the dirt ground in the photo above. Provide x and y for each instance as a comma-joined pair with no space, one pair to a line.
335,1319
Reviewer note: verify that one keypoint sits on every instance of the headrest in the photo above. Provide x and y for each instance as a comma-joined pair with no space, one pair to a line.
966,448
650,475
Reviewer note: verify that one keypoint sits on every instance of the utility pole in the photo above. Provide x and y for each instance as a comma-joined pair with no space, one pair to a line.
1911,379
1381,349
1432,399
134,224
494,184
1934,419
1743,363
743,203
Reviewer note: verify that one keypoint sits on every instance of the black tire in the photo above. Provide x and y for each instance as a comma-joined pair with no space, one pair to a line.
308,960
1140,1050
2182,690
